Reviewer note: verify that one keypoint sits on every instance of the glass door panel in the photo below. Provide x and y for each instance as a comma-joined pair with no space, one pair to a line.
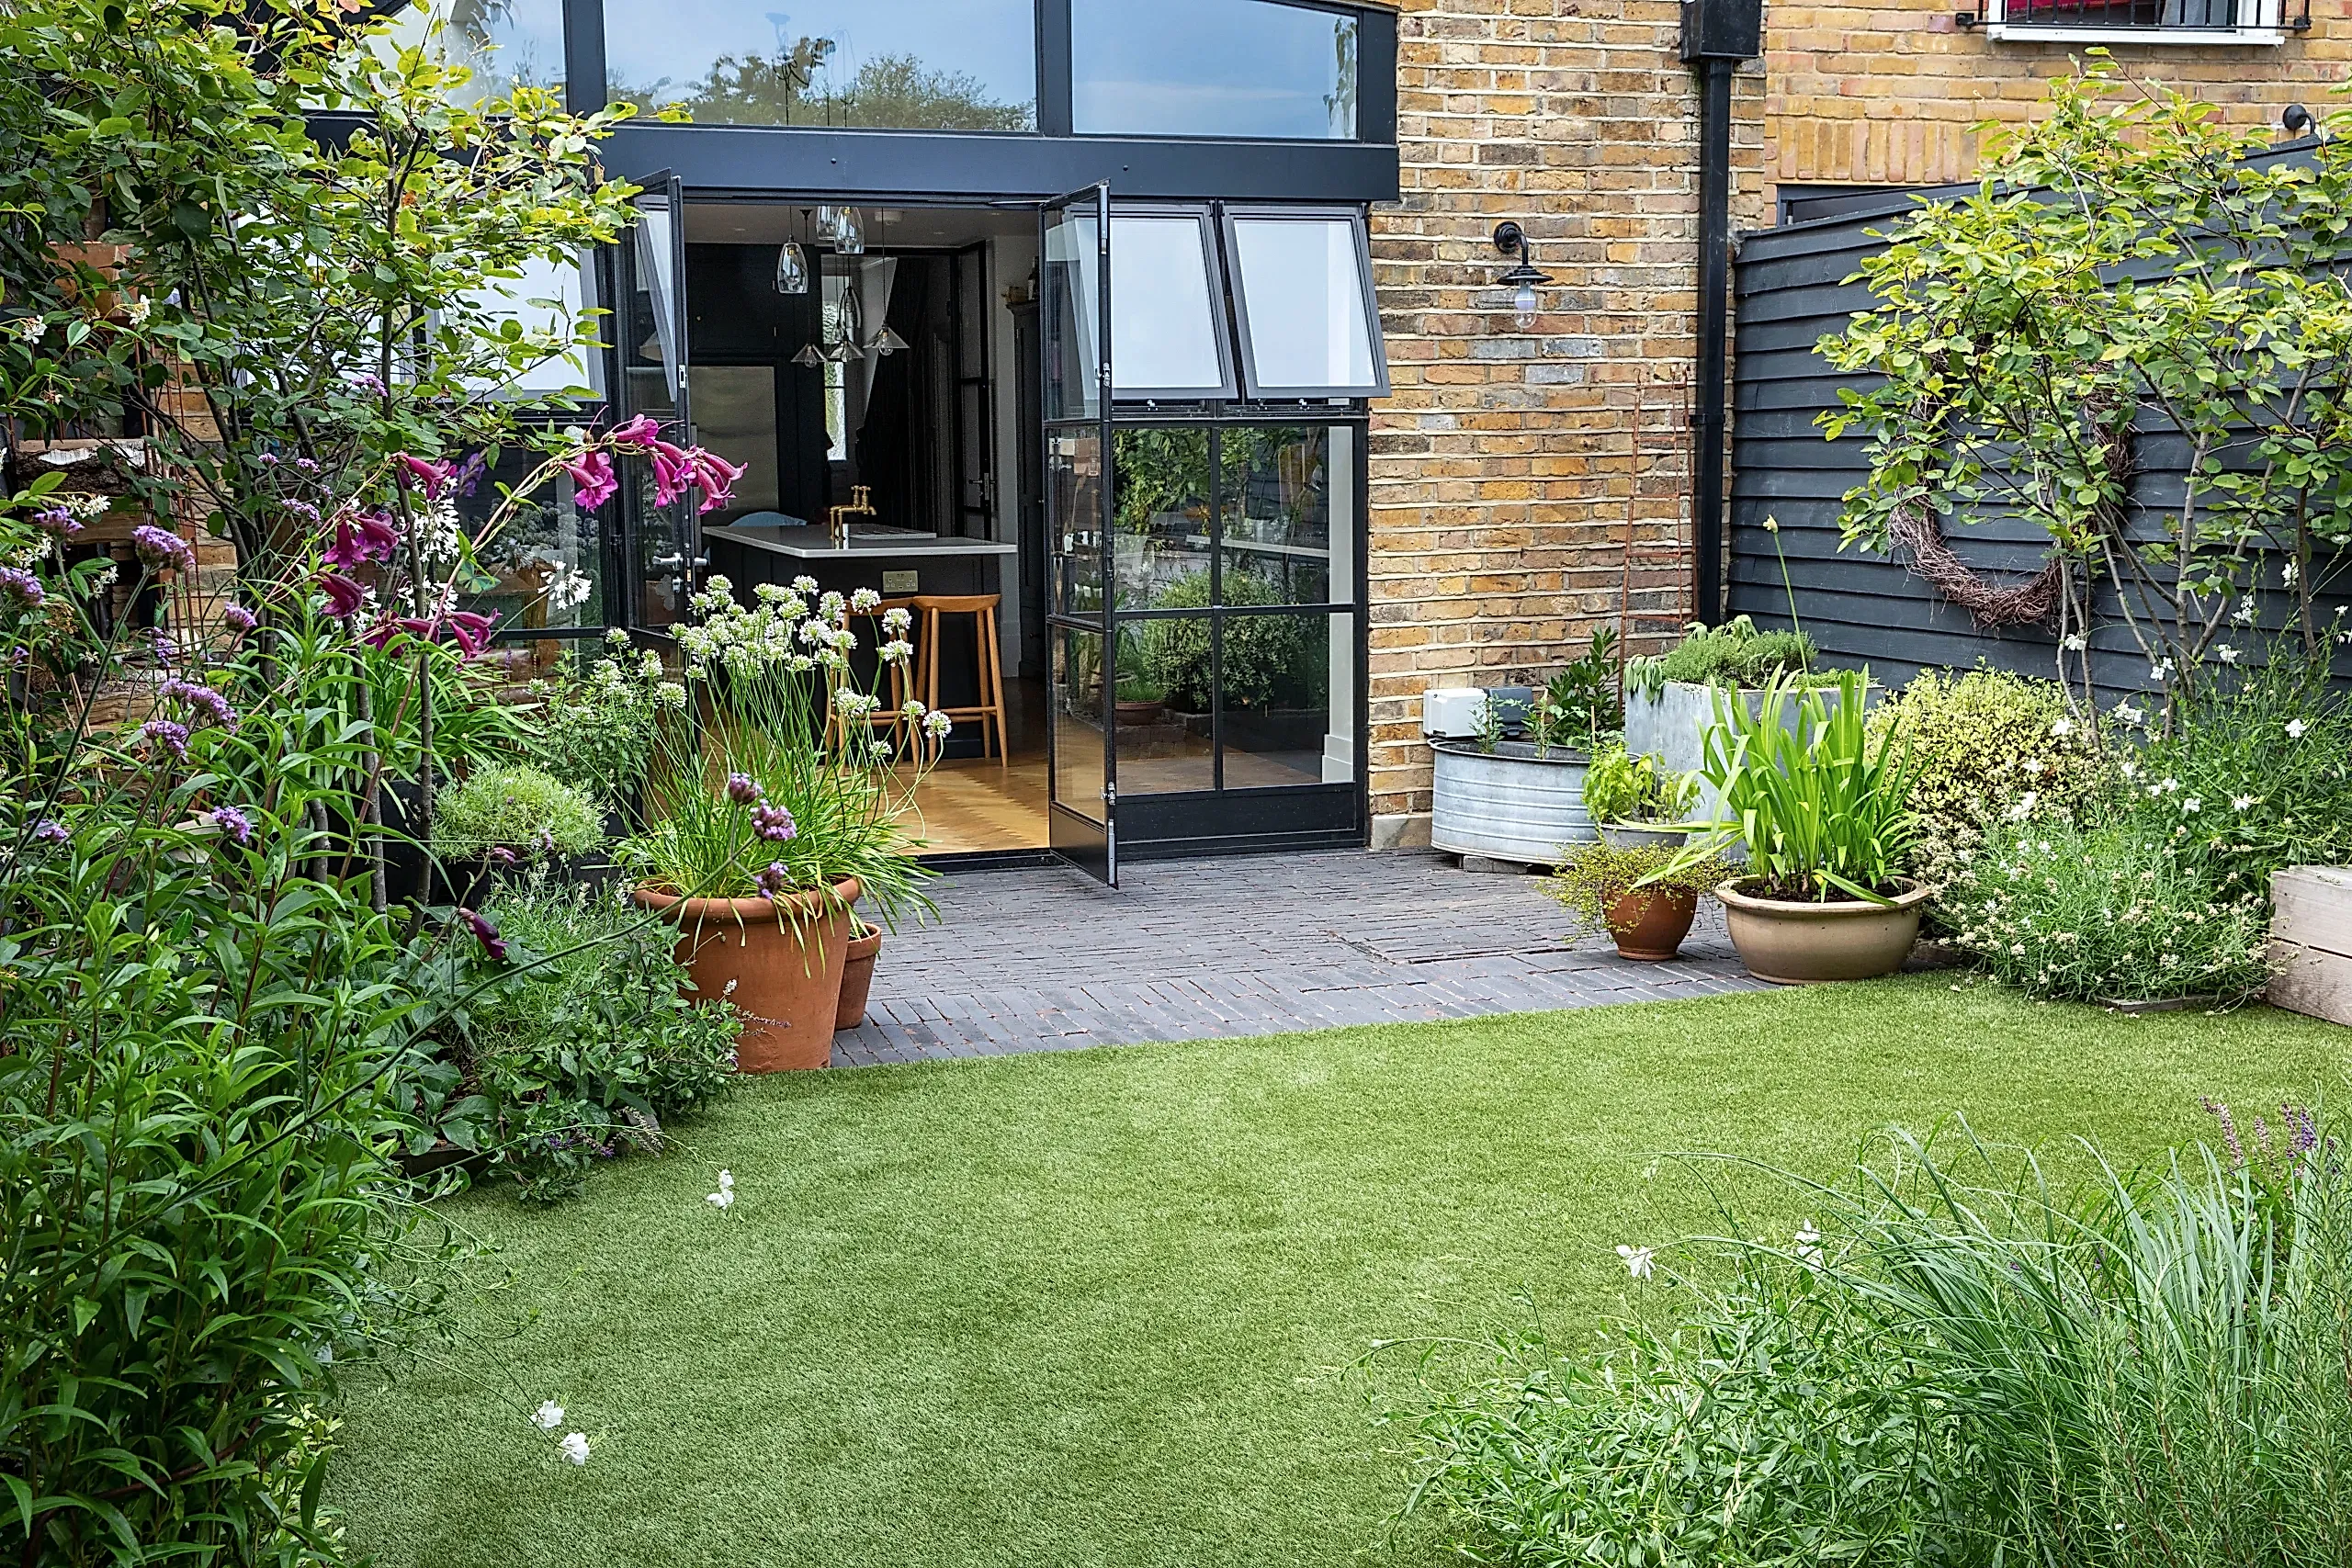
1074,346
664,543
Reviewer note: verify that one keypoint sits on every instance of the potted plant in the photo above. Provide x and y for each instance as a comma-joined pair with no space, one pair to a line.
1824,815
766,820
504,817
1670,697
1142,697
857,976
1633,799
1516,793
1644,895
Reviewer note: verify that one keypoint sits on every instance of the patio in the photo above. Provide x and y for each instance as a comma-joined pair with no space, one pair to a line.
1044,959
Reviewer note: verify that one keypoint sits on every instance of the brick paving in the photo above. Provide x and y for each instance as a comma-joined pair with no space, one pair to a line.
1043,959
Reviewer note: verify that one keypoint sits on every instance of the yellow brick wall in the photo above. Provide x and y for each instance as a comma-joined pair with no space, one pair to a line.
1889,92
1507,465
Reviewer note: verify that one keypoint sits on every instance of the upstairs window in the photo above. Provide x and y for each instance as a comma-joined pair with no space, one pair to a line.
505,43
889,64
2143,22
1239,69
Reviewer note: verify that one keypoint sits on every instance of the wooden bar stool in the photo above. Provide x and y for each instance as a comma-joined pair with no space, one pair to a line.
989,709
891,715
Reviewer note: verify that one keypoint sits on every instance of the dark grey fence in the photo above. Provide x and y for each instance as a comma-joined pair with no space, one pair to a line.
1790,290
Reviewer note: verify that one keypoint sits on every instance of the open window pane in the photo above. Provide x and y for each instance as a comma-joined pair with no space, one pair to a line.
1304,285
900,64
1167,334
1236,68
1072,262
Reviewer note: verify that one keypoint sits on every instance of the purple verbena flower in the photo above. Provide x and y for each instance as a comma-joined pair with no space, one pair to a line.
773,880
307,465
57,520
269,459
499,854
240,619
774,823
486,933
235,825
203,701
2221,1113
50,830
22,586
160,644
471,472
743,789
160,547
171,737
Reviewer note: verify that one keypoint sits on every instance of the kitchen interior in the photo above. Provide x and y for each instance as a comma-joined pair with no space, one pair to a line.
875,370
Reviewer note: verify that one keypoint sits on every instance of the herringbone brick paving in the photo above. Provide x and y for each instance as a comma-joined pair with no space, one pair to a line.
1044,959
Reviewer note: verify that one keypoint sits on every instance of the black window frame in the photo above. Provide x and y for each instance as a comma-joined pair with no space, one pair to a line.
1374,25
1368,297
1204,216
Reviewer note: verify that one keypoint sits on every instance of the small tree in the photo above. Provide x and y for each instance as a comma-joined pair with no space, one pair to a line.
2129,273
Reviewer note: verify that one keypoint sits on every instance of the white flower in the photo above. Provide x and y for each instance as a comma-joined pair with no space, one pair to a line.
1809,1245
141,309
2160,672
549,1415
724,1199
1637,1260
2286,574
29,328
2024,805
2062,727
2166,786
1771,524
2193,803
804,584
2226,654
2295,727
567,590
575,1447
897,651
863,601
2130,713
897,619
2130,769
936,725
2246,612
2075,642
2242,802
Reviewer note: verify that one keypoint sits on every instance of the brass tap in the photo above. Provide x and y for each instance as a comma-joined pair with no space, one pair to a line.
837,518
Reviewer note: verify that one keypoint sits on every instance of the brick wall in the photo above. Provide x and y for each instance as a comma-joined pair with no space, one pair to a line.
1507,466
1887,92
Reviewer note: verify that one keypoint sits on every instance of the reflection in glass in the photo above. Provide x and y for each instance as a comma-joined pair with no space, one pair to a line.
1072,319
1160,524
907,65
1074,501
1238,68
735,413
1165,732
1304,291
543,568
1276,532
1077,721
1279,722
1165,331
505,43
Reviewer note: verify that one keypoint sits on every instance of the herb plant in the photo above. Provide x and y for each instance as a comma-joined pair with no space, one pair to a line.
520,810
1735,654
1594,878
596,726
1580,704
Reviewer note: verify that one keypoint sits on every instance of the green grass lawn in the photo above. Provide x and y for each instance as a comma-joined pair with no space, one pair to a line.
1100,1308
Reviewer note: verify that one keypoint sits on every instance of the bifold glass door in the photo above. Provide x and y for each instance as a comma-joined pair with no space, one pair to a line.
1074,344
662,544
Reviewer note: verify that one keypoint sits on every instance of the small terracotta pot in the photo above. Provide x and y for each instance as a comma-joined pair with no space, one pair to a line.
1649,924
1793,943
780,964
857,977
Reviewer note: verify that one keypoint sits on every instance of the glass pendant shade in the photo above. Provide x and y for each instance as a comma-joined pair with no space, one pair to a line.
810,356
888,343
828,222
849,239
791,269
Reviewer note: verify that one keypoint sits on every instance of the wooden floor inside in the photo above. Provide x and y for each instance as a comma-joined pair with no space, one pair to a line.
971,806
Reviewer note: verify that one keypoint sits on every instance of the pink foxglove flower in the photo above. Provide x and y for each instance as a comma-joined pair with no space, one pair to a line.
672,472
432,478
486,933
637,432
360,539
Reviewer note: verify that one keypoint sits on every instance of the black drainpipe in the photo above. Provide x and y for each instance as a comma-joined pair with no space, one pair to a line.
1716,36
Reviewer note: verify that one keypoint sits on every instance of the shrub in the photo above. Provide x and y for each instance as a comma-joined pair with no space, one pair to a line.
2255,775
1987,746
1624,786
2086,913
1580,704
1733,654
1266,657
595,728
516,808
588,1050
1963,1364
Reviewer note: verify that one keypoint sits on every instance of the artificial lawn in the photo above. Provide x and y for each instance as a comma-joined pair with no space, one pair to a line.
1102,1308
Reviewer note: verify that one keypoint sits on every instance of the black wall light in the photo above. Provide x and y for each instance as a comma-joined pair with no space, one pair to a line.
1512,240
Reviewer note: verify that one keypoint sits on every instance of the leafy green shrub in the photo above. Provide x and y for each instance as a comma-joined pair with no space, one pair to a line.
1624,786
1593,877
2257,773
1580,704
1963,1363
595,728
2110,912
516,808
1735,654
589,1048
1985,746
1267,659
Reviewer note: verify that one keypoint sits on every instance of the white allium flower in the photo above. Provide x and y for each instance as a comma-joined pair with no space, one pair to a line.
863,601
937,725
567,590
771,593
719,589
2193,803
1637,1259
913,712
804,584
649,667
2295,727
549,1415
897,619
575,1447
670,695
897,651
2226,654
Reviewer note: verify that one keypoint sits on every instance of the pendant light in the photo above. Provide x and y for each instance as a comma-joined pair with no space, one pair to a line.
888,343
792,265
828,222
810,356
849,240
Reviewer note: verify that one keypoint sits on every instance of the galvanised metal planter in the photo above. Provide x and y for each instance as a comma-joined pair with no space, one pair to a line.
1672,725
1509,803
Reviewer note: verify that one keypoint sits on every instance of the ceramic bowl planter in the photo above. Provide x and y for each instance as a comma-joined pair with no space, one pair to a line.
857,976
1797,943
1509,803
1648,924
780,964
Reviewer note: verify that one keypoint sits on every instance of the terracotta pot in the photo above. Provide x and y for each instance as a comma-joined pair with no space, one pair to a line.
857,977
783,962
1795,943
1649,924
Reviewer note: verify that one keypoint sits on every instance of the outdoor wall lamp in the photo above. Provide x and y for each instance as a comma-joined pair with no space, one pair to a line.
1512,240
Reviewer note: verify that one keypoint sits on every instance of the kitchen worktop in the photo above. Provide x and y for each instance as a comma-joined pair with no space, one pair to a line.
813,544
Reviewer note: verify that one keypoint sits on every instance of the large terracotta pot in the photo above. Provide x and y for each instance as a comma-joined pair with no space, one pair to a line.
1649,924
857,977
1795,943
783,962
